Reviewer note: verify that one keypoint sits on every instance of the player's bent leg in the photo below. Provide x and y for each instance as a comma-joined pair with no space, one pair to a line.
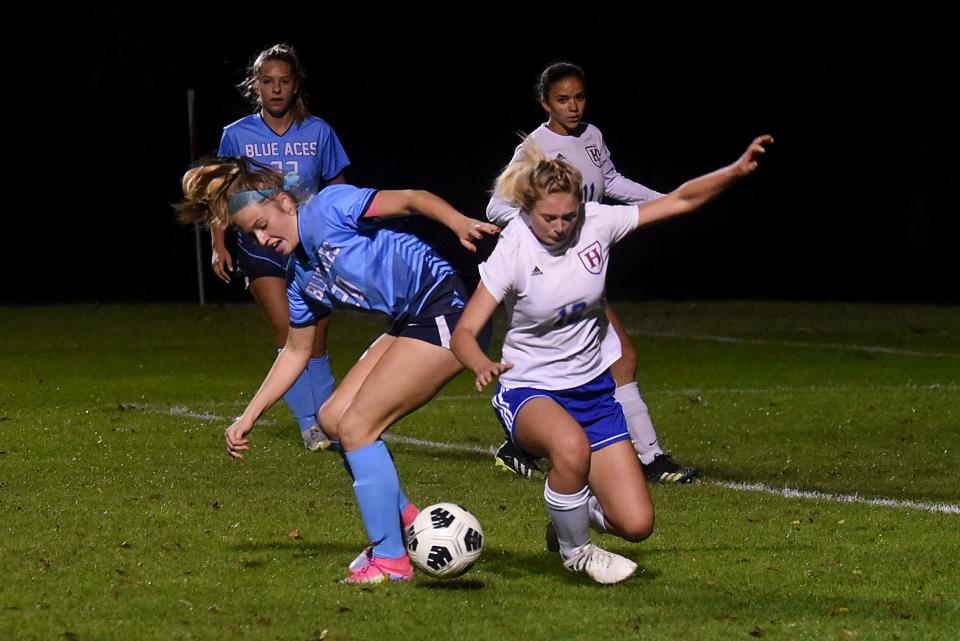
543,428
320,340
658,467
408,374
616,479
322,385
624,370
343,395
270,293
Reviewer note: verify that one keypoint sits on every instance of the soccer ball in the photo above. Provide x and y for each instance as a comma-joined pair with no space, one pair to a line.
445,540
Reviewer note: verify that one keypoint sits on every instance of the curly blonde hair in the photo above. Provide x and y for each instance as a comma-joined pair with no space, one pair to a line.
531,176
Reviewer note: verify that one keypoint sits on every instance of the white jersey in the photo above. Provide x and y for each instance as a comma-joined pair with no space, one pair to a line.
588,153
555,302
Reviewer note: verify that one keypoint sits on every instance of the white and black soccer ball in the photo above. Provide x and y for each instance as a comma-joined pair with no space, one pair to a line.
445,540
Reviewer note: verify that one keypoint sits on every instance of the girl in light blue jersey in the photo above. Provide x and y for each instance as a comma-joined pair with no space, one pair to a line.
282,134
342,256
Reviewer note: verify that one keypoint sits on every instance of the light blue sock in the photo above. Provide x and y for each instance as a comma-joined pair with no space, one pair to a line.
377,487
402,500
321,381
343,456
299,399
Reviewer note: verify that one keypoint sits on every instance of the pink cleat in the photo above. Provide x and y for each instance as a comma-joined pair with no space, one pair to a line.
379,569
408,515
406,520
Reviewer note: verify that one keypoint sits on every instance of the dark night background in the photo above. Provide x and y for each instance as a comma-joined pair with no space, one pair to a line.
857,201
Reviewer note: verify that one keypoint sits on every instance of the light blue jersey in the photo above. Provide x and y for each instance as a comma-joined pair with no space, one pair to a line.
310,150
347,260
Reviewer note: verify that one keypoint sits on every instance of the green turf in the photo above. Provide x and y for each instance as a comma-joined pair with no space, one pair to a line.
122,520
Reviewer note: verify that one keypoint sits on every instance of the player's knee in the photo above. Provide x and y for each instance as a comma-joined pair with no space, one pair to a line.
638,528
571,456
329,418
355,430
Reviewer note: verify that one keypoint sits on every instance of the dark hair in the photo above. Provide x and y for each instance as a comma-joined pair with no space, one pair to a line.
279,53
554,74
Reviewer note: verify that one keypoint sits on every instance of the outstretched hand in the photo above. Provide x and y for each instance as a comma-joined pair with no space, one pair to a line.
469,230
748,162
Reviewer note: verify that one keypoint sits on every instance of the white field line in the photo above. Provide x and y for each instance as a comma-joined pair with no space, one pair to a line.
759,341
941,508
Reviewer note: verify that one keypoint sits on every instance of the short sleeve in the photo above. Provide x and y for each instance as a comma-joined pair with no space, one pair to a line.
616,221
344,205
498,272
228,146
333,158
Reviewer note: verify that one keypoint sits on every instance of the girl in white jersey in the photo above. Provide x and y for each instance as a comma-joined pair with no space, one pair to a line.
555,396
561,91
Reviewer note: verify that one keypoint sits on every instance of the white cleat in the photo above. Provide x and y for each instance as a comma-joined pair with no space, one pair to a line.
600,565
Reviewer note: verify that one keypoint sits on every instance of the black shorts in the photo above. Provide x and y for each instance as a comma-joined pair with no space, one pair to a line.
439,316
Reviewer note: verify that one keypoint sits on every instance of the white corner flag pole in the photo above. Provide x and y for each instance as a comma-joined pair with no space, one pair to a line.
196,226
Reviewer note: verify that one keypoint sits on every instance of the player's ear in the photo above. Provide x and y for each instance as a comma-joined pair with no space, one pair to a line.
285,202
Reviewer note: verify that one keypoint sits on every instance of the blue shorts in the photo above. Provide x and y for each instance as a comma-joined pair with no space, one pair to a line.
254,261
438,316
591,404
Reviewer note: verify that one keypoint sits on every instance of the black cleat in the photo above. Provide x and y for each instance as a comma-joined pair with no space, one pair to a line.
512,459
664,469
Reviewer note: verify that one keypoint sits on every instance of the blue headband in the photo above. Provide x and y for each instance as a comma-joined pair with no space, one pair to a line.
243,198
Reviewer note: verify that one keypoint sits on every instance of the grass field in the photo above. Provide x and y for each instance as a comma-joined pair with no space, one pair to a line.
121,516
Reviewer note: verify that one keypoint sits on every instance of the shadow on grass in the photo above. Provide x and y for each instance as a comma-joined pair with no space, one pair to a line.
298,549
452,585
504,564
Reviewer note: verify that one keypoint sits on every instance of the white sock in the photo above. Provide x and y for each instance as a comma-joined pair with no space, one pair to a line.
644,437
596,514
571,518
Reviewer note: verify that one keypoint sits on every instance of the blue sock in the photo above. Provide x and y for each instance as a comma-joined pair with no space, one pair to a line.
377,487
321,381
343,456
402,500
299,399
